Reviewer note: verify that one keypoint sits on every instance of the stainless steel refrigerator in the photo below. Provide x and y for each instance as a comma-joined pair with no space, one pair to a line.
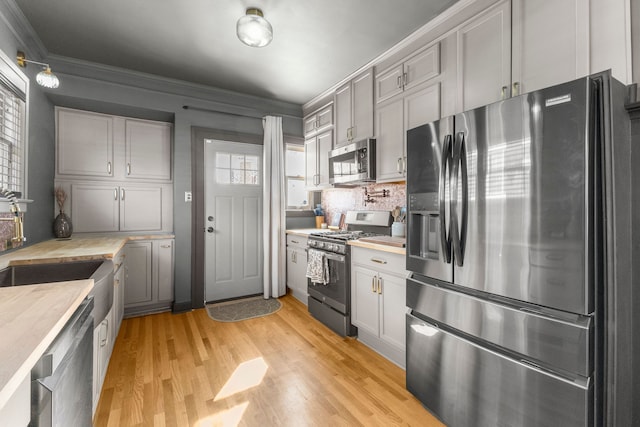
520,245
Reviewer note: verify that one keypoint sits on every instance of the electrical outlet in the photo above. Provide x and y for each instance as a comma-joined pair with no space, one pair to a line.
187,196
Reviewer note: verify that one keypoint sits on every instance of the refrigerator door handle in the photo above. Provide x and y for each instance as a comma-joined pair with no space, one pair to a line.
445,171
459,230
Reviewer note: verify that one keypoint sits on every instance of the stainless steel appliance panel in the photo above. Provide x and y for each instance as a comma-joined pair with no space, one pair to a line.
521,230
354,163
428,241
467,385
336,292
560,342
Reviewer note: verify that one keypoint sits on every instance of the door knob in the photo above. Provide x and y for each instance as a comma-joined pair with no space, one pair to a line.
209,229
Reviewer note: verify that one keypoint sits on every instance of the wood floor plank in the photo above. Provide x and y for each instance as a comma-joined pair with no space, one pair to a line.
169,370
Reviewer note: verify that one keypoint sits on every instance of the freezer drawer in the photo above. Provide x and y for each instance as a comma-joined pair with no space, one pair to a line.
467,385
561,342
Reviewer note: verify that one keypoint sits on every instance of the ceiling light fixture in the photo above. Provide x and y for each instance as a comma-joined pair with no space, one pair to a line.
253,30
45,78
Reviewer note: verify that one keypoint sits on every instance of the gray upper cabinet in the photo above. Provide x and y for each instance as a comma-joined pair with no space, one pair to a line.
148,150
84,143
319,121
550,43
419,68
484,52
316,152
99,146
353,103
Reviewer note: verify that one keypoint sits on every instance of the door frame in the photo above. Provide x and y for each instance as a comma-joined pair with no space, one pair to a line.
198,135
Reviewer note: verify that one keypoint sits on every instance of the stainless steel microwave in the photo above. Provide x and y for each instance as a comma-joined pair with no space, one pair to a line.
354,163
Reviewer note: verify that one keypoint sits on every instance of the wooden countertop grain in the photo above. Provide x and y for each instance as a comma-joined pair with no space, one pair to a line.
77,248
30,319
378,246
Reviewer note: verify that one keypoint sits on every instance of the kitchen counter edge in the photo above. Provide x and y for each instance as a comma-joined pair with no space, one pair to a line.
378,247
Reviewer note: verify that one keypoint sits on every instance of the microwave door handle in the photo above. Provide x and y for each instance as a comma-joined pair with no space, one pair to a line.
445,238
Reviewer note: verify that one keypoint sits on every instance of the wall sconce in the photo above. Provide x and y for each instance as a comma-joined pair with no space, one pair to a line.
45,78
253,30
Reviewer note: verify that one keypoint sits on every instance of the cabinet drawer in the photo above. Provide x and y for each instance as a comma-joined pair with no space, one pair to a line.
297,241
379,260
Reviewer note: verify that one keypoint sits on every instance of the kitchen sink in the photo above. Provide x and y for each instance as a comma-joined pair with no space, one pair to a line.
100,271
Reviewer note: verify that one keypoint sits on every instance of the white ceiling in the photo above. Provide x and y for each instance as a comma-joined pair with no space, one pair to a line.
315,44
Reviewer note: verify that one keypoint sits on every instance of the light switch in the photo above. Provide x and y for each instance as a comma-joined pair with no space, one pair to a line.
187,196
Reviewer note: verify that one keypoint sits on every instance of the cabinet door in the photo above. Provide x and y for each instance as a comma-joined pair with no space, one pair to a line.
421,106
163,257
94,207
342,105
311,163
118,300
296,273
362,119
141,208
325,142
484,57
550,43
389,141
393,310
325,118
364,299
137,265
148,150
84,143
310,125
389,83
422,67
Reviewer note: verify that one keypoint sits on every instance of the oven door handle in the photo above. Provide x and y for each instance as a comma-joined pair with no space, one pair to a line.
333,257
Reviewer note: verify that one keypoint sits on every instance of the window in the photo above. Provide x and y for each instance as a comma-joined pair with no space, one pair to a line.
12,117
237,169
297,195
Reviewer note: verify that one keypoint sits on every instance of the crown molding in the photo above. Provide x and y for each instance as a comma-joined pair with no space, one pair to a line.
125,77
24,33
407,41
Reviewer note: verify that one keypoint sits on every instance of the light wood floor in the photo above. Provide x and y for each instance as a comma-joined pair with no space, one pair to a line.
171,370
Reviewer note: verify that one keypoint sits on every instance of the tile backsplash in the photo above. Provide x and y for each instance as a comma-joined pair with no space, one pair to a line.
340,200
7,232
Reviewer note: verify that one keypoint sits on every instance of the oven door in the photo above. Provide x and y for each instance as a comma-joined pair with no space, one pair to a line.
335,293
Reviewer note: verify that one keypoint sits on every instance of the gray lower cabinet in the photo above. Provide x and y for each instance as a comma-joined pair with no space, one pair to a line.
297,266
378,301
148,271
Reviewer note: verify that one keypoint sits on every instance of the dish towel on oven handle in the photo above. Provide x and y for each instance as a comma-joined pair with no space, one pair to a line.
317,266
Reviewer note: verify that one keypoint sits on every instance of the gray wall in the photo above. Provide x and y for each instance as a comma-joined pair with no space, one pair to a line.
41,138
118,91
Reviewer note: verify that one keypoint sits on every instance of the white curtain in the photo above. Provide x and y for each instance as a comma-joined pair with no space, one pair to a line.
273,209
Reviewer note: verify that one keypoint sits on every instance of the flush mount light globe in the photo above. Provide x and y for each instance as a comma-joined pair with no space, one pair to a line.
253,30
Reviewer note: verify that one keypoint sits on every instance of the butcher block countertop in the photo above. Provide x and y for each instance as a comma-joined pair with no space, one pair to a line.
389,246
77,248
305,232
30,319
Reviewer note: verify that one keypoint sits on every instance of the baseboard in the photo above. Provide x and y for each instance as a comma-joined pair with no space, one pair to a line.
181,307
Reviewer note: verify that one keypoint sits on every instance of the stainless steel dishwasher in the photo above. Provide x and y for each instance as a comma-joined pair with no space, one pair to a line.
61,381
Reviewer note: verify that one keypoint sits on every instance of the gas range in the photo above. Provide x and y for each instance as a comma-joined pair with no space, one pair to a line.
336,241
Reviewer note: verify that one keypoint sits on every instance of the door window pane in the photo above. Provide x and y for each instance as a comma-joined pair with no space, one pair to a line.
237,169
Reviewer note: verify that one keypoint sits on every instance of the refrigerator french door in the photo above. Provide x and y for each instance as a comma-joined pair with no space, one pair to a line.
503,209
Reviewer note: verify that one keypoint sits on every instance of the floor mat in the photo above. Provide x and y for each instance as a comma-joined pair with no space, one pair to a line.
242,309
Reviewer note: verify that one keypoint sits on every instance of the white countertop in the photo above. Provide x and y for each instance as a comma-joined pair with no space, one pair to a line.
30,319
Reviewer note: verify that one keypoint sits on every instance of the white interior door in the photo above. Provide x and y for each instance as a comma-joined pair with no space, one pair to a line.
233,219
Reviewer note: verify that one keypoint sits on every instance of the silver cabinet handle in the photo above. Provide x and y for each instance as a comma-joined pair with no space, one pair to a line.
404,165
404,79
515,89
109,168
379,261
115,194
294,241
399,84
128,168
122,194
503,92
398,167
165,246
